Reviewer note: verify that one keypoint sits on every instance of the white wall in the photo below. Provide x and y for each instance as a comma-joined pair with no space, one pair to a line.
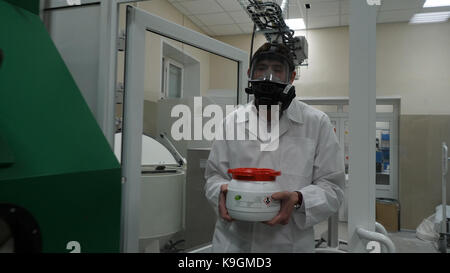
223,72
413,61
327,74
153,61
153,58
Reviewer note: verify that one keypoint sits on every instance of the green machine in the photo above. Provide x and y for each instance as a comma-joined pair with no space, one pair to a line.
60,183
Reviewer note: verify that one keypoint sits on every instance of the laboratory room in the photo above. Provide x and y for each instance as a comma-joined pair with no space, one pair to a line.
224,126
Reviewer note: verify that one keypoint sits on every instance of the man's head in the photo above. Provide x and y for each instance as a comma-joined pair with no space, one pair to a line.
272,62
271,74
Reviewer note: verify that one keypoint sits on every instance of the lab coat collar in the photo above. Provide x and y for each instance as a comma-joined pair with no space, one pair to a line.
283,125
294,111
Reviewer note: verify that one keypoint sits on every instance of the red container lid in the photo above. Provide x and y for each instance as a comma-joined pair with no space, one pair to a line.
254,174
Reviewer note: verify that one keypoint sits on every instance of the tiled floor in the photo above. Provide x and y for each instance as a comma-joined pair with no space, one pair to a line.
405,242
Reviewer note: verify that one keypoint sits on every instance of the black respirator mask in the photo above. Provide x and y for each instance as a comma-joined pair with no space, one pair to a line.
269,78
271,93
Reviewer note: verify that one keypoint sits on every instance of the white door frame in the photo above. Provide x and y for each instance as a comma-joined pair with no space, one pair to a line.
392,117
382,191
138,23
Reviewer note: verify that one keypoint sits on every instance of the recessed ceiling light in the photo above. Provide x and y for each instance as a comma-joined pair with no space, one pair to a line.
430,17
436,3
295,24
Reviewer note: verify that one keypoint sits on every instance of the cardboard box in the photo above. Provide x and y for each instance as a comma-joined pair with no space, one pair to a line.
388,214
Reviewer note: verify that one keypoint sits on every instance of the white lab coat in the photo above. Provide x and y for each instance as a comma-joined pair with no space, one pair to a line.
310,160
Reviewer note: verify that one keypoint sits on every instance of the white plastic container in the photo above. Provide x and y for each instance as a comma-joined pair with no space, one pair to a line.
249,196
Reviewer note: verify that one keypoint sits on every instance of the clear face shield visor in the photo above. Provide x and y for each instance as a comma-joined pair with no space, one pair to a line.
271,69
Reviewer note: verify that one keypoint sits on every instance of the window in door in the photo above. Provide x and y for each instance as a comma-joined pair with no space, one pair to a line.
173,79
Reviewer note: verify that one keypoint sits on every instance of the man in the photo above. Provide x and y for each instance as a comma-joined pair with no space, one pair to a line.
308,156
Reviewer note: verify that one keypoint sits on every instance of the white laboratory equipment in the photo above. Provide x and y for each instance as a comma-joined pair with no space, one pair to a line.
162,193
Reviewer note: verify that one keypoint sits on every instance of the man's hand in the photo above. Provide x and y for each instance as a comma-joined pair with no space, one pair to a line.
222,203
288,201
